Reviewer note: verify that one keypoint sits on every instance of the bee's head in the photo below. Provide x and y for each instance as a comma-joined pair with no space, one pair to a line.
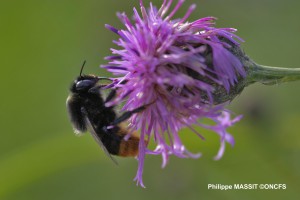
84,82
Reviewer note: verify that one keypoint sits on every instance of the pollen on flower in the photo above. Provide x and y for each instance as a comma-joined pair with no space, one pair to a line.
174,67
140,95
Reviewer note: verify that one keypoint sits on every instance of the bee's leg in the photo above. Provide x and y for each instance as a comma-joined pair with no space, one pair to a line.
128,114
105,78
96,88
111,95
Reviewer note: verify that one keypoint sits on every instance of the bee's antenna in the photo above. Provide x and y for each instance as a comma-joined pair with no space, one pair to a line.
83,64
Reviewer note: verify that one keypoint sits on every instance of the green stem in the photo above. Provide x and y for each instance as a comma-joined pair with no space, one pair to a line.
272,75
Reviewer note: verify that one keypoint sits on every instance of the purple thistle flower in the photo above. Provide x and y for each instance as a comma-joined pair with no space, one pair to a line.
174,67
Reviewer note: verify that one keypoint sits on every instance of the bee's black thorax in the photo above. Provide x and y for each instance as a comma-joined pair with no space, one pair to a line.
95,110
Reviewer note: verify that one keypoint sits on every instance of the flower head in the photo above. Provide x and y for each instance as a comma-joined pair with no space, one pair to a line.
174,68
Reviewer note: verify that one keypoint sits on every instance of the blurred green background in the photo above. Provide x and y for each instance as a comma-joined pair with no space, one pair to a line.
43,44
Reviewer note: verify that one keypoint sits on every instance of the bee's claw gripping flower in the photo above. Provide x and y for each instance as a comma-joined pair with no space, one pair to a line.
180,66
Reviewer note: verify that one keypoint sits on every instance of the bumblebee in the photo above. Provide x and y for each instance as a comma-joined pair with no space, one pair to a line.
87,112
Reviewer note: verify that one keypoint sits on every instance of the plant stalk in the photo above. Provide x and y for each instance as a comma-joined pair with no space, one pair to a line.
272,75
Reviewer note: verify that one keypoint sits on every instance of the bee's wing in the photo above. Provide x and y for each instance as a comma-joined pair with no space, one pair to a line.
98,140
